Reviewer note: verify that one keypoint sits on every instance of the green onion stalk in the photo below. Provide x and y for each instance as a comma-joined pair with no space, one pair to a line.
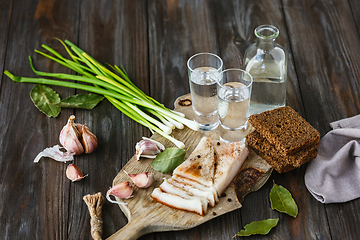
114,85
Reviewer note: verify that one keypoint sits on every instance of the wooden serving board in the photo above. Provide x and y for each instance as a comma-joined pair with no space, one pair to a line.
146,215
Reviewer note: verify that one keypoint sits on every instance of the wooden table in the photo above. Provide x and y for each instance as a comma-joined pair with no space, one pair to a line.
153,40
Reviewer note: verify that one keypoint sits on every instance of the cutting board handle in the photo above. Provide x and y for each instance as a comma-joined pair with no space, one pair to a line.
131,231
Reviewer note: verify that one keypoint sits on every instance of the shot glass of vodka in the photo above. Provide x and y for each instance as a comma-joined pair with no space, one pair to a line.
234,91
204,72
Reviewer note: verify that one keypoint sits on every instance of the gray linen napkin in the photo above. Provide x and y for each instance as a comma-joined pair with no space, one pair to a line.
334,175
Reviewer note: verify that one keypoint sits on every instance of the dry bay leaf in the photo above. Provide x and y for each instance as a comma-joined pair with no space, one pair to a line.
282,201
45,99
168,160
84,101
258,227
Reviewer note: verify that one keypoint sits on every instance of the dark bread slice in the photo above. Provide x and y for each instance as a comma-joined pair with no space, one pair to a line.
279,165
285,129
256,141
278,161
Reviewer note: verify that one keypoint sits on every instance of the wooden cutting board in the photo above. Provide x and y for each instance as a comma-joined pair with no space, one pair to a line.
146,215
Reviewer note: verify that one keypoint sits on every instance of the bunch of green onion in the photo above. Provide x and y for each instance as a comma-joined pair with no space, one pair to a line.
117,88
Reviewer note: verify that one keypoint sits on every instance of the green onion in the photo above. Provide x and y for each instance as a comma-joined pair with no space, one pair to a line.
118,89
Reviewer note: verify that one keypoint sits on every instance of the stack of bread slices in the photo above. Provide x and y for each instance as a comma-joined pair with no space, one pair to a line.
201,179
283,138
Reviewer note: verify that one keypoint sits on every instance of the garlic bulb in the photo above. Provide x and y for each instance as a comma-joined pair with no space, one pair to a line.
75,138
121,190
74,173
69,137
142,180
88,139
148,148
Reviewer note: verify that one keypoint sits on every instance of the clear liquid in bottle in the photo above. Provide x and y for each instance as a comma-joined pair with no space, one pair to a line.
266,62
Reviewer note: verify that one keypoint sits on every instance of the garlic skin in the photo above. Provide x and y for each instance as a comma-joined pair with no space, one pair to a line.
122,190
88,139
74,173
142,180
69,137
56,154
148,148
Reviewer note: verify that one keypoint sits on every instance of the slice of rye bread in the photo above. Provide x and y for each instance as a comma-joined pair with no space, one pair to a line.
256,141
278,161
285,129
281,166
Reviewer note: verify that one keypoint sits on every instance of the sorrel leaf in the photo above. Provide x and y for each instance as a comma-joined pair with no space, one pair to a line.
45,99
85,101
259,227
168,160
282,201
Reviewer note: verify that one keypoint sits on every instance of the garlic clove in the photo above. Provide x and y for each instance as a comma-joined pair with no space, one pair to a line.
88,139
69,137
142,180
121,190
148,148
74,173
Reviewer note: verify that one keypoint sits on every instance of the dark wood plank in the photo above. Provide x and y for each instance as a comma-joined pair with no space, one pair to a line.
355,10
325,43
114,33
326,63
236,24
347,224
34,202
177,30
6,8
153,40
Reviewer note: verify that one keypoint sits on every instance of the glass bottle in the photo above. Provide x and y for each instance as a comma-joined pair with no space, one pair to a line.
266,61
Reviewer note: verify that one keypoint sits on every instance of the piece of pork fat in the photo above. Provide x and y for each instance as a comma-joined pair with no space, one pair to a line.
208,195
199,166
197,185
229,159
167,187
175,201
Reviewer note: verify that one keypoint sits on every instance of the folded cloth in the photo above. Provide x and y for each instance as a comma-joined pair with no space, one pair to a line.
334,175
352,122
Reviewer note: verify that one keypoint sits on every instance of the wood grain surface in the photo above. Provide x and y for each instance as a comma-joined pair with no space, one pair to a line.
153,40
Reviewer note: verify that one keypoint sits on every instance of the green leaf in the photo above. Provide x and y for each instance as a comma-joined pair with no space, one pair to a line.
45,99
282,200
259,227
85,101
168,160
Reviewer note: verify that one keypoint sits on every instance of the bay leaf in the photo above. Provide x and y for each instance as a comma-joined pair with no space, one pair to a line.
168,160
84,101
45,99
282,201
258,227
